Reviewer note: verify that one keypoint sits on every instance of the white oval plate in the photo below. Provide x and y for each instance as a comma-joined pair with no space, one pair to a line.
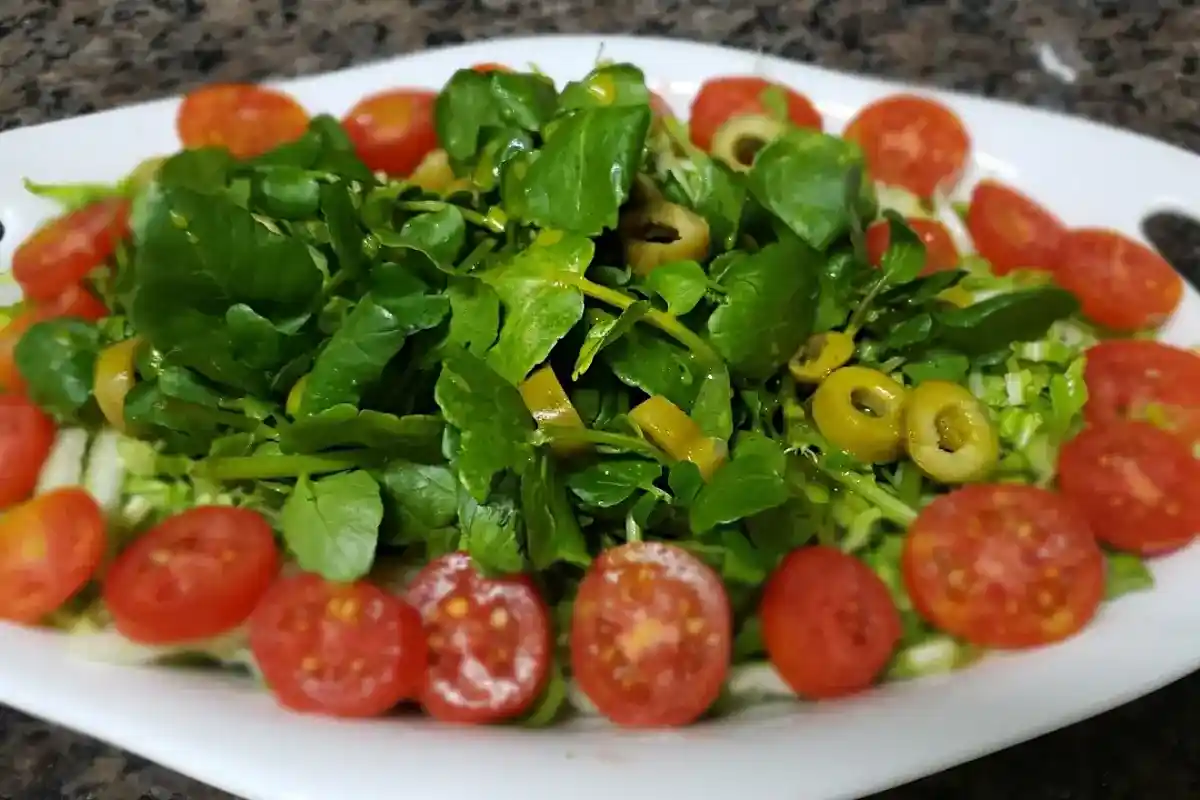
223,731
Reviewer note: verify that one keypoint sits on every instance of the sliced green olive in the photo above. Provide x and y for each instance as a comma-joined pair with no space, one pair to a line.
295,397
434,174
739,139
821,355
861,411
663,232
949,433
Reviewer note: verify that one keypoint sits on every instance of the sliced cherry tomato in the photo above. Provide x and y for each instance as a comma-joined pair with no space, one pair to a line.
650,637
392,131
348,650
722,98
828,622
940,252
1134,483
489,641
1011,230
49,548
1120,283
61,253
245,119
1003,566
75,301
26,436
491,66
11,380
195,575
911,141
1144,379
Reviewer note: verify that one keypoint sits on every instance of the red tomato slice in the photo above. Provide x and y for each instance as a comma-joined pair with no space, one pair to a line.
491,66
722,98
650,636
1120,283
828,622
489,641
1003,566
49,547
940,252
195,575
1011,230
26,435
1134,483
61,253
75,301
911,141
245,119
10,377
1142,379
392,131
348,650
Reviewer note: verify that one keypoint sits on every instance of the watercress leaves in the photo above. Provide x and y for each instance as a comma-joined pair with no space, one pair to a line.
607,85
332,525
422,500
491,533
612,482
473,102
552,533
1021,316
604,332
342,425
752,482
474,314
681,285
57,359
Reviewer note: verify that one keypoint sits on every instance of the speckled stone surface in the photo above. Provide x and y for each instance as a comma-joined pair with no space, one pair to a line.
1132,63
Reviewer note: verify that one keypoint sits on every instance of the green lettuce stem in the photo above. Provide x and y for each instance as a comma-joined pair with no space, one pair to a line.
570,436
888,504
265,467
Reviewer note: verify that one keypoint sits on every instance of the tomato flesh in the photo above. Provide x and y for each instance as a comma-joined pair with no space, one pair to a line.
1011,230
26,436
1003,566
911,141
1144,379
489,641
245,119
723,98
1135,485
61,253
347,650
940,252
828,622
393,131
194,576
650,635
49,548
1120,283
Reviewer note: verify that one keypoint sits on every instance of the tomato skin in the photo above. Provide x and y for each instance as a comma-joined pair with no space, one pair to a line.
911,141
347,650
491,66
1143,379
940,252
722,98
1011,230
489,641
26,436
75,301
1134,483
49,548
62,252
195,575
1120,283
245,119
1003,565
393,130
651,635
828,622
11,380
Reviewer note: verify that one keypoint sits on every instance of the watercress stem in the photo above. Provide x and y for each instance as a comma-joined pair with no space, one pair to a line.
618,441
667,323
474,217
888,504
264,467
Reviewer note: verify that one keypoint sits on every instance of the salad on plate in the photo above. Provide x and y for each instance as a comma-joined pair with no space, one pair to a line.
511,401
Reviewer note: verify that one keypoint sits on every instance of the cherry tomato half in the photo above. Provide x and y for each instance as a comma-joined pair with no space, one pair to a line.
1144,379
195,575
940,252
49,548
1003,566
828,622
245,119
491,66
393,130
650,637
348,650
722,98
1134,483
1120,283
1011,230
61,253
26,436
911,141
11,380
489,641
74,301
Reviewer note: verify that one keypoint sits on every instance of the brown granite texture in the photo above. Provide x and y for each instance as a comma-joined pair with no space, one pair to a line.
1135,65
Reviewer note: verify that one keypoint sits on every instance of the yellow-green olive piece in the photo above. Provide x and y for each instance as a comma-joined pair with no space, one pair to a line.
739,139
661,233
821,355
861,411
949,433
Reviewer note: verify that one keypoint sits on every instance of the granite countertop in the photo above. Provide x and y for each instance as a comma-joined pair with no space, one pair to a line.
1099,58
